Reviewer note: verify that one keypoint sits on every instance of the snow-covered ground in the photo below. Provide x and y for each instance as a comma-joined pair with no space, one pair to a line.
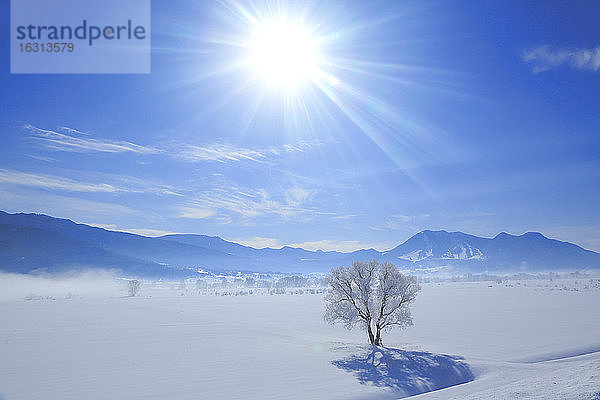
83,339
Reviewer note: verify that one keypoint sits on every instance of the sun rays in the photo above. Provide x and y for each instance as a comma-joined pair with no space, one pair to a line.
309,72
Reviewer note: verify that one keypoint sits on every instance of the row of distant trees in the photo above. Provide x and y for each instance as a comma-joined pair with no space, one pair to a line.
279,285
294,281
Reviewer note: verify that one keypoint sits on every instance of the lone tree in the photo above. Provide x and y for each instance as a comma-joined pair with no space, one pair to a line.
374,295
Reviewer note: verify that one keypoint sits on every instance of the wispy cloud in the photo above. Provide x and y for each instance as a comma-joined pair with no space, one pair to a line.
247,203
222,152
42,158
54,182
217,152
196,213
138,185
73,140
231,200
119,184
259,242
347,216
67,142
26,200
296,196
397,222
544,58
72,130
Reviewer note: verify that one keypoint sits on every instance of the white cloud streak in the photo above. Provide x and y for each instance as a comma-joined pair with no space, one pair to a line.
395,222
217,152
62,142
73,140
249,203
26,200
196,213
544,58
52,182
44,181
221,152
259,242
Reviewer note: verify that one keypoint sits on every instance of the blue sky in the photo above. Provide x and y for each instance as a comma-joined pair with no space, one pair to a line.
474,116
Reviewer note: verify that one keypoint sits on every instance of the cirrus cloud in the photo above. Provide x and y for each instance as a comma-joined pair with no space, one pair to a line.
73,140
544,58
61,141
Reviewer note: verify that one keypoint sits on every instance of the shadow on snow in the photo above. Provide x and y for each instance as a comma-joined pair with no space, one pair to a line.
406,372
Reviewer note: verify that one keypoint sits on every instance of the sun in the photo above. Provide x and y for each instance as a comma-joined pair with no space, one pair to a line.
283,54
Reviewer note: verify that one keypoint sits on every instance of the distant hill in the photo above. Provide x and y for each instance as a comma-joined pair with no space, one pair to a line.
35,242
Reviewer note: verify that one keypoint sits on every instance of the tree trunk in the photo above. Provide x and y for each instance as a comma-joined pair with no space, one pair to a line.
370,332
378,341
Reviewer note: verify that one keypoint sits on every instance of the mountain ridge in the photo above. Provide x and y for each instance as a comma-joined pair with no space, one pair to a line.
177,254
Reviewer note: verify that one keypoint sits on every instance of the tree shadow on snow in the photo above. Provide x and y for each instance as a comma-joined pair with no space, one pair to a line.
406,372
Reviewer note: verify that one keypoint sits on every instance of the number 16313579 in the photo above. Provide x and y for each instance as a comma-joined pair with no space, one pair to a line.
47,47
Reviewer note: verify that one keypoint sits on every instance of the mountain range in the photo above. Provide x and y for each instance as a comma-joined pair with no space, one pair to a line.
40,243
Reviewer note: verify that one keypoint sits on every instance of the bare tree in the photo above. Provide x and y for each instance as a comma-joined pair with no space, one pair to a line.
373,295
134,287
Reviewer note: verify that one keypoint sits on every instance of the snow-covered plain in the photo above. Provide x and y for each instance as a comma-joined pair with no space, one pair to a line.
82,338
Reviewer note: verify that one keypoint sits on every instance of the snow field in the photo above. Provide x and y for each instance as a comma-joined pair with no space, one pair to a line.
519,342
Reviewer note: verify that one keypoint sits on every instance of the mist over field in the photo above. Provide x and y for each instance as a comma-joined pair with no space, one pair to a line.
58,286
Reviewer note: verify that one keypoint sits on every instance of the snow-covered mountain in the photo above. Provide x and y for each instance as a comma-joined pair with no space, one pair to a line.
504,252
438,245
463,251
30,242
